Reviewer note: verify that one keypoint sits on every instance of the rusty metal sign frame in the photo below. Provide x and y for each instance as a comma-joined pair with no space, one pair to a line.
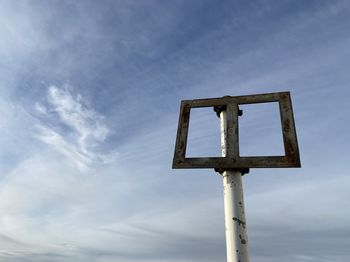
233,160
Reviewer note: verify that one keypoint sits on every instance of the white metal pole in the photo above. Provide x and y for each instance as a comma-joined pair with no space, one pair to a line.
235,222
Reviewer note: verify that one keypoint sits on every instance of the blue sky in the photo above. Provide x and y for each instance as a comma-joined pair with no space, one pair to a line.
89,99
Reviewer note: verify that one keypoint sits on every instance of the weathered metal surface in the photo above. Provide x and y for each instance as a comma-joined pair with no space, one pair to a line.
235,222
232,159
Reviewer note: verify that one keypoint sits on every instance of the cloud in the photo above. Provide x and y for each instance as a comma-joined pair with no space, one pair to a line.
134,210
54,139
83,129
40,108
86,122
52,212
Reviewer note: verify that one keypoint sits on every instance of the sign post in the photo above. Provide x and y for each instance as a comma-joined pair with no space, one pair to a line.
231,165
235,222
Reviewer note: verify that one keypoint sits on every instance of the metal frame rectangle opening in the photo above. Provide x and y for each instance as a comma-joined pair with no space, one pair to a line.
233,160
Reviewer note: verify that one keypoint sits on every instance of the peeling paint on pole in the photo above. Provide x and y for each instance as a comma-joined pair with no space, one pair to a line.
235,222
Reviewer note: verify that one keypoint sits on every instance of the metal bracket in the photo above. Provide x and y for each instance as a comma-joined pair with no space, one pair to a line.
242,170
219,109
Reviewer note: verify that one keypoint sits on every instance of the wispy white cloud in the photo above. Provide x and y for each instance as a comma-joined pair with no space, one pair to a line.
86,128
71,110
73,152
40,108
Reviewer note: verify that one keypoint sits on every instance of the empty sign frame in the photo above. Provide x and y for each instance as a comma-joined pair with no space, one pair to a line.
233,160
